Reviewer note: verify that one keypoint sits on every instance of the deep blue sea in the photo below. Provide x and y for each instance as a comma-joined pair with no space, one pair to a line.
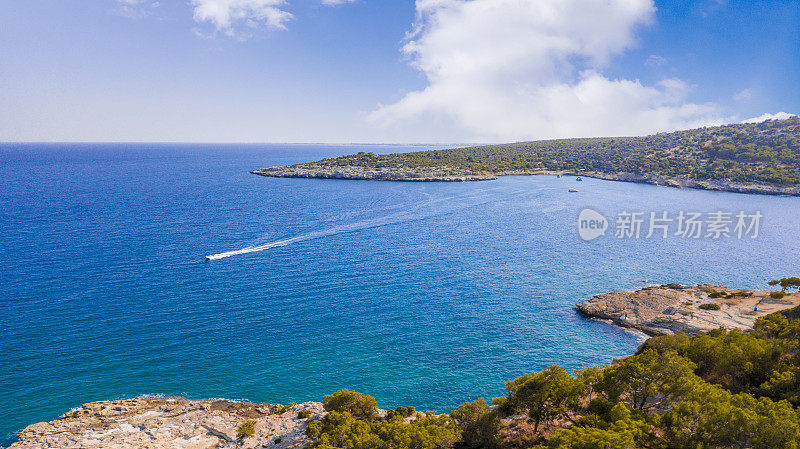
424,294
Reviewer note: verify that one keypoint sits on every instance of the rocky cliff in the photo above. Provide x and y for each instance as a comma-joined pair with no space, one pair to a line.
672,308
173,423
429,174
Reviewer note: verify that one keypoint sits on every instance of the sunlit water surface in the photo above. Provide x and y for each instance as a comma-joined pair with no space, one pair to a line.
424,294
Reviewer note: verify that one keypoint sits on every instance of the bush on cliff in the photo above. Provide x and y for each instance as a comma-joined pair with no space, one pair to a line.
479,427
246,430
709,306
342,430
359,405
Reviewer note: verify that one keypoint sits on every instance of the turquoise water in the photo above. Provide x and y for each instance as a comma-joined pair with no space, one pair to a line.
419,294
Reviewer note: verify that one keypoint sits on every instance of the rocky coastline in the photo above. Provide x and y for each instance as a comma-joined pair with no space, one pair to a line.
177,422
689,183
174,423
672,308
354,172
449,174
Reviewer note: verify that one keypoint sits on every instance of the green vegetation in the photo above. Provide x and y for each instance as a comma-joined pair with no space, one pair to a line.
766,153
709,306
304,414
777,295
281,409
479,427
786,283
247,429
342,430
713,294
355,404
405,412
721,389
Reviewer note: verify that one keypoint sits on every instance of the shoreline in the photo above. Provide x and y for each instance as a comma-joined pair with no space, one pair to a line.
446,174
162,422
673,308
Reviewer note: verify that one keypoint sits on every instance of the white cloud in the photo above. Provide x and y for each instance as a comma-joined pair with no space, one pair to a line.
226,15
136,8
765,117
655,61
744,94
518,69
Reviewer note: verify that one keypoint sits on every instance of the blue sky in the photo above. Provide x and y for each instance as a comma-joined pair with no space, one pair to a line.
389,71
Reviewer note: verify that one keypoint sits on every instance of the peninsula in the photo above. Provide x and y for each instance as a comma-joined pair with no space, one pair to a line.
746,158
674,308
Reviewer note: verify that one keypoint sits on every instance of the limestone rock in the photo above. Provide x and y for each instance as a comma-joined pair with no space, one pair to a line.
672,308
156,423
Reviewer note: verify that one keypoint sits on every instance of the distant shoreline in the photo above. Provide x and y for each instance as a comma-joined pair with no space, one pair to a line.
445,174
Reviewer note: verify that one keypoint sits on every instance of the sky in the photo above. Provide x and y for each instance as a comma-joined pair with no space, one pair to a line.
390,71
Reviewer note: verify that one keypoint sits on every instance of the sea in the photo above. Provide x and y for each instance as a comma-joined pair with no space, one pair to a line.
423,294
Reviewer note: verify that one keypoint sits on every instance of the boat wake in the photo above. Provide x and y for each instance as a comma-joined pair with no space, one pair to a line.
417,213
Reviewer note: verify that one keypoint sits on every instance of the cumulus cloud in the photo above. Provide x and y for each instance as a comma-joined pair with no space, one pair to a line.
767,116
225,15
518,69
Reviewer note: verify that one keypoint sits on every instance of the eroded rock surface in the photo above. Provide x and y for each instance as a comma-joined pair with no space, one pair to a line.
672,308
417,174
175,423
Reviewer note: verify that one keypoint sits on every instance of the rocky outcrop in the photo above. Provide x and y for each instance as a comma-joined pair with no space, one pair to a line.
449,174
672,308
174,423
720,185
356,172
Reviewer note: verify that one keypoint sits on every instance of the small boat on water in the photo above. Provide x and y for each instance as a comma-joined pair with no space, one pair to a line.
573,190
579,178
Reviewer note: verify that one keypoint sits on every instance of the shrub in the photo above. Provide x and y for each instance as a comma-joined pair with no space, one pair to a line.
479,427
359,405
340,430
401,411
499,401
716,294
304,414
247,429
709,306
777,295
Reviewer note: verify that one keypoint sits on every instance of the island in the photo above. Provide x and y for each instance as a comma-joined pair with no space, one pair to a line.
762,158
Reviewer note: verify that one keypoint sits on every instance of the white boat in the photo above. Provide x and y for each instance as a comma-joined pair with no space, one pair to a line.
579,178
573,190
